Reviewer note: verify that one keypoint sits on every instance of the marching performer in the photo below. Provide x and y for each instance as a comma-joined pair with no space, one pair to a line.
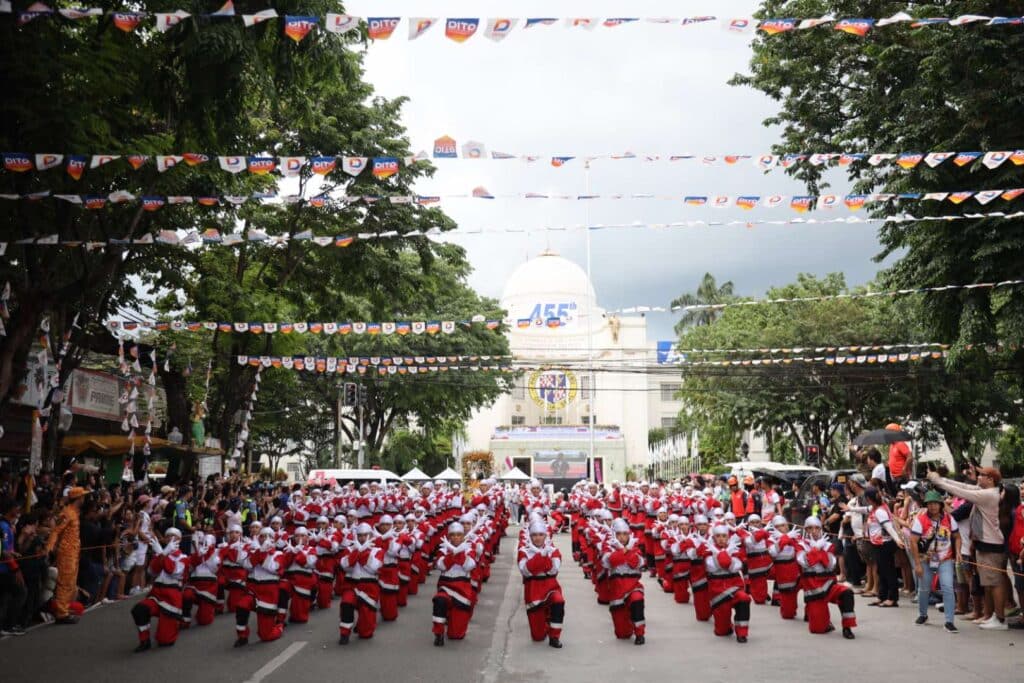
622,557
455,597
539,562
785,570
327,549
300,576
759,561
164,601
698,552
388,575
405,545
361,599
202,582
680,545
232,572
264,592
818,564
725,585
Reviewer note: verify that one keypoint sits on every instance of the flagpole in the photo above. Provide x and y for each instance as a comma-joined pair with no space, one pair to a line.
590,319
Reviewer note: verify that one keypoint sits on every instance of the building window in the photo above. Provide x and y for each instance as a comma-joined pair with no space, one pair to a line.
669,391
585,387
587,418
518,420
294,469
519,391
552,420
668,423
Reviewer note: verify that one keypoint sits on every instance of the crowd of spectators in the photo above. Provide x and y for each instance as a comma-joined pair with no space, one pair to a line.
109,546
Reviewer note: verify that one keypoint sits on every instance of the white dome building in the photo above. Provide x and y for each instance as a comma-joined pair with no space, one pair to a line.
544,425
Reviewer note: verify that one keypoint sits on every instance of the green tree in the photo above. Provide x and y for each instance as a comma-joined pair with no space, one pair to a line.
900,90
708,293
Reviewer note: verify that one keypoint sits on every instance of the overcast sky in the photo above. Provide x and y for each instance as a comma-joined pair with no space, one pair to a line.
640,87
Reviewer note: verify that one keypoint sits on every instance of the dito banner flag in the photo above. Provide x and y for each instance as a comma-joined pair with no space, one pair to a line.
499,28
298,27
419,25
381,28
461,30
385,167
341,23
444,148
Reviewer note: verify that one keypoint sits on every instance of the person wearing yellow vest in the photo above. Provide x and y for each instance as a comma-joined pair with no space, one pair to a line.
183,517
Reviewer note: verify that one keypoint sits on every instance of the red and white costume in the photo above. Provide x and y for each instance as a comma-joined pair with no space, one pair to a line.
361,599
164,600
455,597
625,565
726,587
202,585
539,565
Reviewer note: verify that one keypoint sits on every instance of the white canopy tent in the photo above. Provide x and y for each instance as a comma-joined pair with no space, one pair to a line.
515,474
449,475
415,474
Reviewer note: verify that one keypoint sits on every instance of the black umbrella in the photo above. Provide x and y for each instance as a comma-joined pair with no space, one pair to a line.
882,436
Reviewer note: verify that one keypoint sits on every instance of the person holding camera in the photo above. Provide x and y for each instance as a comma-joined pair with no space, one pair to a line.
935,545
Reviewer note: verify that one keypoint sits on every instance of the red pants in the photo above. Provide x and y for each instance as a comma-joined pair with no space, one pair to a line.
546,619
787,579
201,592
266,599
817,608
164,603
405,580
453,607
389,587
758,567
235,591
324,591
359,604
699,584
301,591
723,605
628,615
340,583
681,581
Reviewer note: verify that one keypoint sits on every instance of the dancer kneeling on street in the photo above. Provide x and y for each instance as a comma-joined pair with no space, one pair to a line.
539,562
623,558
453,602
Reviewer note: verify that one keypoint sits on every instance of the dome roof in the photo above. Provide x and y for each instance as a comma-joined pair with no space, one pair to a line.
548,278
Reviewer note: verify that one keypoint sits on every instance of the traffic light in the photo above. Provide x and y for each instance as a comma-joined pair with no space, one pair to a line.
351,393
361,400
812,454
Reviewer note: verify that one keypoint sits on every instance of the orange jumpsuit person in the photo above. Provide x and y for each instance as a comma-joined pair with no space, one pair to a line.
65,538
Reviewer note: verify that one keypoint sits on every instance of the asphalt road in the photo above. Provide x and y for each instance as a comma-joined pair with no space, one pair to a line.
889,647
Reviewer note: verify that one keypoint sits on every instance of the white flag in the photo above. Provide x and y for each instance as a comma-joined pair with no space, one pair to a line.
253,19
499,28
232,164
419,25
341,23
167,20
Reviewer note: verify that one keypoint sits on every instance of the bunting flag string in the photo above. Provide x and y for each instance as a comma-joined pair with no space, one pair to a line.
243,428
824,297
497,29
847,348
839,359
402,328
798,203
446,148
384,366
192,239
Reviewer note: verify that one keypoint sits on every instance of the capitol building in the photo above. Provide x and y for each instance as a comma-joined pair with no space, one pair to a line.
584,403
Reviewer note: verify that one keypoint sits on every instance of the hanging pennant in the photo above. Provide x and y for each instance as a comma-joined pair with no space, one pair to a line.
857,27
16,162
76,166
298,27
419,25
385,167
127,21
341,23
381,28
353,165
461,30
261,165
249,20
499,28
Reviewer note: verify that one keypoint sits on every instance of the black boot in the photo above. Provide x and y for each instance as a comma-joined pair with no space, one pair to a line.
143,646
242,641
848,633
439,640
343,639
555,643
830,628
639,640
741,639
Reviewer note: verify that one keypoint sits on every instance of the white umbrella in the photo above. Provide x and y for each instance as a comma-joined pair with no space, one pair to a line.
415,474
515,474
449,475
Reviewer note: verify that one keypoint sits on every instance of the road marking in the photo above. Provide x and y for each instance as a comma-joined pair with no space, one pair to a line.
275,663
502,624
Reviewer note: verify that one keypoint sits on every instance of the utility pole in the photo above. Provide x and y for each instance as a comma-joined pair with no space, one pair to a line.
337,429
361,401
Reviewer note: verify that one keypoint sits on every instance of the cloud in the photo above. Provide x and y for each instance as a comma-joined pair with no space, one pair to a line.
638,87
